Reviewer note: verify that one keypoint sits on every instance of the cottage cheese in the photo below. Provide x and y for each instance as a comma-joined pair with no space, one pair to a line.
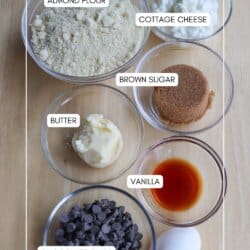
188,6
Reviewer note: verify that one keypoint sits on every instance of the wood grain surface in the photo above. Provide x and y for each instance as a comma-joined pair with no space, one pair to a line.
12,127
46,188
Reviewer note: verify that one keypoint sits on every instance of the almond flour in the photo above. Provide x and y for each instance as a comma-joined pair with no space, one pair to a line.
86,41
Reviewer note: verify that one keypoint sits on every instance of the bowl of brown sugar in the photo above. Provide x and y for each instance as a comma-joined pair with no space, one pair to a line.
202,97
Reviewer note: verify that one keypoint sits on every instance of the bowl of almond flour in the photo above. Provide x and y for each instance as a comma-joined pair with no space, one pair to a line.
84,44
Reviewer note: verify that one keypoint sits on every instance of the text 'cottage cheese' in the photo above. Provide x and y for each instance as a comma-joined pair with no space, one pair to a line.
87,41
188,6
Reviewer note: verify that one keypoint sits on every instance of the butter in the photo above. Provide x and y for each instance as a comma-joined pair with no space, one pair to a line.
99,142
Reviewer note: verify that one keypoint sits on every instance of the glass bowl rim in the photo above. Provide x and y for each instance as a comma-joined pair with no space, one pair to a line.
159,33
219,163
165,128
94,187
79,80
44,128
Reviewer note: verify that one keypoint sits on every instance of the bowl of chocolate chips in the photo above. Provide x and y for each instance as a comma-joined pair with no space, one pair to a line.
100,216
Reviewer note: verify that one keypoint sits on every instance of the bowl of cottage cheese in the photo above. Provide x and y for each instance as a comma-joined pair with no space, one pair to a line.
84,44
219,12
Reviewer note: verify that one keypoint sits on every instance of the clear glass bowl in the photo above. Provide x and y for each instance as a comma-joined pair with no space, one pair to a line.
89,195
84,100
224,15
33,7
200,57
208,164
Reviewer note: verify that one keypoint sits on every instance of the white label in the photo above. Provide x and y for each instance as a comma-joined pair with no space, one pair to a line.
76,3
145,181
147,79
172,19
63,120
77,248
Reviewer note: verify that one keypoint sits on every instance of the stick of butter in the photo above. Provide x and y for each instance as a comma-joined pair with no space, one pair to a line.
99,142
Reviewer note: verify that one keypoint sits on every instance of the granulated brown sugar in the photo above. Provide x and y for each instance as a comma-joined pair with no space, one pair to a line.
188,101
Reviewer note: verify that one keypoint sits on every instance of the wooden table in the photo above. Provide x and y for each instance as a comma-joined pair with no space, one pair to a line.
46,188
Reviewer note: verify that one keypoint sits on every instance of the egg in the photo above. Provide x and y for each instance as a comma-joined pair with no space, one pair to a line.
180,239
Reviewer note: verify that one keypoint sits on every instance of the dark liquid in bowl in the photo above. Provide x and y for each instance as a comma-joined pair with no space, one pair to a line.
182,185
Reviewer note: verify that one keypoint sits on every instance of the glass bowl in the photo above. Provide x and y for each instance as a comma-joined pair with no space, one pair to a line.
84,100
224,15
34,7
199,56
208,164
89,195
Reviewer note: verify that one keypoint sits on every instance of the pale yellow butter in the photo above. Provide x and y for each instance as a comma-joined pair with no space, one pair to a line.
99,142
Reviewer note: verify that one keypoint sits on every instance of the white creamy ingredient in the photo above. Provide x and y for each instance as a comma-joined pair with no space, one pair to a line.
99,142
87,41
180,239
188,6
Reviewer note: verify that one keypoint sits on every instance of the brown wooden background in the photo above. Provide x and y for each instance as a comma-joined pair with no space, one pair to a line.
45,187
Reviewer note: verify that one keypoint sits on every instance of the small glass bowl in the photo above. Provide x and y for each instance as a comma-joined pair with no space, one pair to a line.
224,15
89,195
208,164
34,7
84,100
199,56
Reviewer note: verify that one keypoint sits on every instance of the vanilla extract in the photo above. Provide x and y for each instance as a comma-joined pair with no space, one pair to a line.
183,185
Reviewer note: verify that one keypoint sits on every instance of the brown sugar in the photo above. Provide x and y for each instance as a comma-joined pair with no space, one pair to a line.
188,101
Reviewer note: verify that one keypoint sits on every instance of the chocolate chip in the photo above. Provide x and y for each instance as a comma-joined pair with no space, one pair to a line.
95,229
78,225
106,228
112,204
74,214
90,237
116,226
99,223
71,228
96,209
107,211
108,244
120,233
80,235
59,232
87,218
76,242
87,226
136,244
101,216
105,202
86,243
125,224
87,206
60,239
134,228
138,236
70,243
64,218
113,236
128,245
77,208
